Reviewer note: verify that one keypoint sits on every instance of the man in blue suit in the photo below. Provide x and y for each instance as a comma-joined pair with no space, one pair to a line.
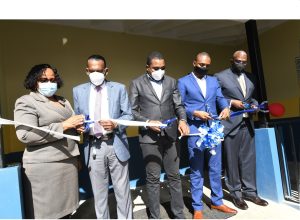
201,95
105,143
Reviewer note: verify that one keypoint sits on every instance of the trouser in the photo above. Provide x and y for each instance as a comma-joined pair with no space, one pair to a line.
101,164
164,152
197,158
240,162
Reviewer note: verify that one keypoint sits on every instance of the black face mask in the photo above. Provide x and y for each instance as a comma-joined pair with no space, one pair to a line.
239,67
200,71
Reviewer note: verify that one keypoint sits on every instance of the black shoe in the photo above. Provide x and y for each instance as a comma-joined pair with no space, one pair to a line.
240,203
256,200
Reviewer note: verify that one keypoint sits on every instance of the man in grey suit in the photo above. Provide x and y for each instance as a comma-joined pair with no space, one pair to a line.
240,168
105,143
155,98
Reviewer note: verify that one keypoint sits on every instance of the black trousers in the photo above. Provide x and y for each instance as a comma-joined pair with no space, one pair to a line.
240,161
165,153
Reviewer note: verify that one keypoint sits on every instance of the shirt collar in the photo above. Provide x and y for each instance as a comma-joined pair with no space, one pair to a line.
102,86
203,78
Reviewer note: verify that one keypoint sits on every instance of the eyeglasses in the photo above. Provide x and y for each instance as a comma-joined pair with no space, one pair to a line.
204,65
157,68
240,61
100,71
43,80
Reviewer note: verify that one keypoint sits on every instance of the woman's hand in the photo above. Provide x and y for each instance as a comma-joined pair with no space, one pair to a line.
73,122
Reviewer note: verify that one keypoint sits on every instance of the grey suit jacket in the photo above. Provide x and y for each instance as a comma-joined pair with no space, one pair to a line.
119,108
147,106
35,109
231,89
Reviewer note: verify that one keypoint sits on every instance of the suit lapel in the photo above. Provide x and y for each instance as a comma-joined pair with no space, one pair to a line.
61,110
86,93
165,85
208,90
111,97
194,82
236,82
147,81
249,85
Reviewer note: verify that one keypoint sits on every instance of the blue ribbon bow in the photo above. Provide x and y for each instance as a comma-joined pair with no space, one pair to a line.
210,136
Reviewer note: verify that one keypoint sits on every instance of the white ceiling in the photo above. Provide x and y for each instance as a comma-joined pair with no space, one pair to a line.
221,32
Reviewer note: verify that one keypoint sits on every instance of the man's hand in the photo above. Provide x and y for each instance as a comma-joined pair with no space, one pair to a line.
202,115
183,128
225,114
255,107
237,104
108,125
155,128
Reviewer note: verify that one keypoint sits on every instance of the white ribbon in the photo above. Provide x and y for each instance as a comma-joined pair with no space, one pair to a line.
77,138
196,134
137,123
10,122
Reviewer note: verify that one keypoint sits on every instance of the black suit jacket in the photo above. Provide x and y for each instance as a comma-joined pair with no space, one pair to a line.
231,89
147,106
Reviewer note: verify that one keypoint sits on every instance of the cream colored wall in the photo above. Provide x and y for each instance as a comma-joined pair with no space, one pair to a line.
26,44
279,47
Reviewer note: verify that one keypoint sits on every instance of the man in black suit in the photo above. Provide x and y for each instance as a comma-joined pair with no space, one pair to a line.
155,98
240,168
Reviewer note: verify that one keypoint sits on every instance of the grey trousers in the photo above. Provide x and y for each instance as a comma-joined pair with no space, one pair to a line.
103,163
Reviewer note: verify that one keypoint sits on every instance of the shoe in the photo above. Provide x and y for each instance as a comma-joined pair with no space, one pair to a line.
256,200
224,208
198,215
240,203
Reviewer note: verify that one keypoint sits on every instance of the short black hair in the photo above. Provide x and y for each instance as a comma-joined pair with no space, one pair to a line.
154,55
35,74
97,57
202,54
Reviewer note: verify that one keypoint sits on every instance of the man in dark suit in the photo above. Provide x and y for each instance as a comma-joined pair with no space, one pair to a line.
238,87
201,95
155,98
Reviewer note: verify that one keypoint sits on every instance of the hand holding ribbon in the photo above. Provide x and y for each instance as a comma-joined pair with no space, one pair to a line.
263,107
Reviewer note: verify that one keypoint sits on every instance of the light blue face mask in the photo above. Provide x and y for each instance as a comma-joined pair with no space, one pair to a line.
47,89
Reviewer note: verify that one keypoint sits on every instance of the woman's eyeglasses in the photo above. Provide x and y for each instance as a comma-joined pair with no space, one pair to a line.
44,80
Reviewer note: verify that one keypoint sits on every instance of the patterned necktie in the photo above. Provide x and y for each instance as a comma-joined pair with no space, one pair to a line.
98,129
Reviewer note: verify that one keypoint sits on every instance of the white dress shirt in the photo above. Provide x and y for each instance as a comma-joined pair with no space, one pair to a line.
157,86
104,106
201,83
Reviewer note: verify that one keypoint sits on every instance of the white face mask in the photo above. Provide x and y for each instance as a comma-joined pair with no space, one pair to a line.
97,78
158,74
47,89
